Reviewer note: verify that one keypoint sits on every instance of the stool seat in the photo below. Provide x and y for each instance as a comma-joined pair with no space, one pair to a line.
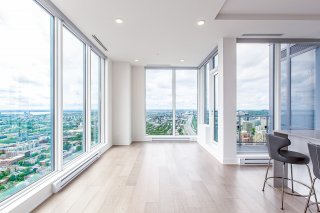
294,157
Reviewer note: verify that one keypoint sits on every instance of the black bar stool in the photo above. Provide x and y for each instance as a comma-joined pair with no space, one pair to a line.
276,151
314,151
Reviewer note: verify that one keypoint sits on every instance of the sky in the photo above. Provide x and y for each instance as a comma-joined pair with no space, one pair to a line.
159,89
25,69
25,83
252,76
252,82
73,71
24,56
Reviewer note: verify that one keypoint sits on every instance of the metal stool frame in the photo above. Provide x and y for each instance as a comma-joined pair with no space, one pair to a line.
311,188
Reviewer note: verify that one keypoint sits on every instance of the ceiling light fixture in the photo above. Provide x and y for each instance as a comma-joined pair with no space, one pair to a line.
201,22
181,60
119,21
136,60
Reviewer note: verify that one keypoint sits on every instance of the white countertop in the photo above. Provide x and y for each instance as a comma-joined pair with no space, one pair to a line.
308,134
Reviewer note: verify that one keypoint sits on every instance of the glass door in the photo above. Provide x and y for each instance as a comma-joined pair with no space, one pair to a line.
214,105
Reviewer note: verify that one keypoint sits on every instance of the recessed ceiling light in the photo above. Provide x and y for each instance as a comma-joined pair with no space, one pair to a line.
201,22
136,60
181,60
119,21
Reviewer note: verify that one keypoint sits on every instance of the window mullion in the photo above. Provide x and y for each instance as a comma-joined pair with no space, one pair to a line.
102,101
88,100
174,102
58,129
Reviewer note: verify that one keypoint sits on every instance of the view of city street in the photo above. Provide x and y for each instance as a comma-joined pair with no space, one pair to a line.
159,122
25,149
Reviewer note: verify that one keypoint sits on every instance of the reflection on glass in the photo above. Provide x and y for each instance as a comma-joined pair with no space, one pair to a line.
284,95
25,89
252,96
95,99
186,102
73,88
159,102
215,110
303,91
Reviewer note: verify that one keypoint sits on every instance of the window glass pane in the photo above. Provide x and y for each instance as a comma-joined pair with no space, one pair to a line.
159,102
25,89
303,91
206,92
216,110
73,95
95,99
284,95
252,96
186,102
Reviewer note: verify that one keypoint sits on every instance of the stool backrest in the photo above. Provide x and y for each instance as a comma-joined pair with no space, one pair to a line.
314,151
275,144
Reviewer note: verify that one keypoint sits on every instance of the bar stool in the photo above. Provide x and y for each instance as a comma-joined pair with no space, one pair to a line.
314,151
276,152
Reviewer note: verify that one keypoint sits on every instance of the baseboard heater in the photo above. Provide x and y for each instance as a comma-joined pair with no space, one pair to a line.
172,139
254,161
66,179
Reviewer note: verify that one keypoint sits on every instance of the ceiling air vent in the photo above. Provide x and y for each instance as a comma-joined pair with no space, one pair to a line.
99,42
262,34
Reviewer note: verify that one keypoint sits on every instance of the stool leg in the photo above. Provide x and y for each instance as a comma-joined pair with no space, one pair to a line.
310,193
291,178
265,179
313,189
283,173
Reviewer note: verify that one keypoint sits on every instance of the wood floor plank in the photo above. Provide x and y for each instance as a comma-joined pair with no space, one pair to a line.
164,177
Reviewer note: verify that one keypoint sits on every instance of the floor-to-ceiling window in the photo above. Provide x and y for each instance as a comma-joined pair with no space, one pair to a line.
208,95
186,102
299,83
159,102
73,95
170,93
207,70
44,82
95,123
253,114
26,115
215,106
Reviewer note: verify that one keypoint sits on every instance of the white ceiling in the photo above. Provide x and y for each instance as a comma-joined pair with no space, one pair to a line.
272,7
163,32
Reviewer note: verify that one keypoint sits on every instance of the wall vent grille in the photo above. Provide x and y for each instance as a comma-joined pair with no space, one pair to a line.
99,42
262,34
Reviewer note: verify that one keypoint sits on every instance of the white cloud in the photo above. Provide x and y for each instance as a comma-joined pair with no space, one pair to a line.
252,76
25,60
159,89
24,56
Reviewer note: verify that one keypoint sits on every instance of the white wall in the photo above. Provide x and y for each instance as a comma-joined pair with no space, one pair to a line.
138,103
121,103
228,99
225,149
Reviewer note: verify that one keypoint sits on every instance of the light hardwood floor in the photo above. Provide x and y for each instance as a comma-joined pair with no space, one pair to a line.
167,177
